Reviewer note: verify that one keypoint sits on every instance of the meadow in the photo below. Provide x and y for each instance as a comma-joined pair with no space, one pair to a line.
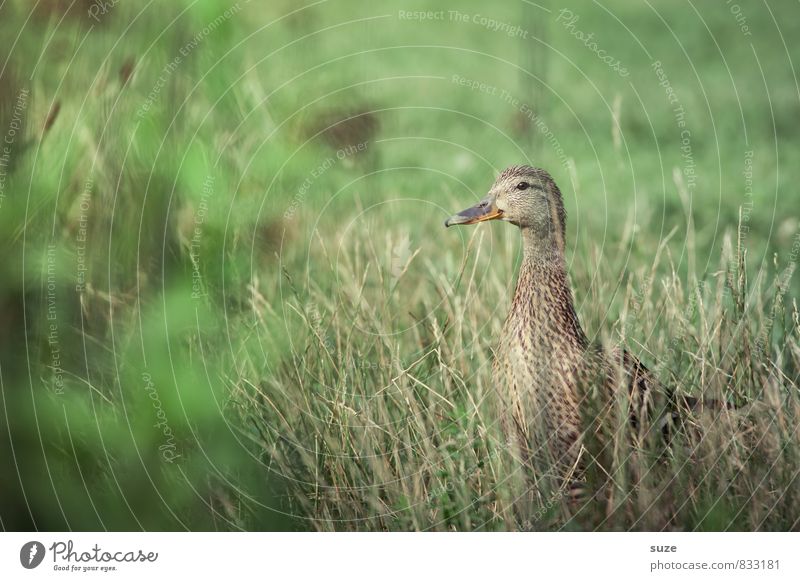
228,300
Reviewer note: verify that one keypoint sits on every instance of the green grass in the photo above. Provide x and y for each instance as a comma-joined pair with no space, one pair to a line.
399,433
270,294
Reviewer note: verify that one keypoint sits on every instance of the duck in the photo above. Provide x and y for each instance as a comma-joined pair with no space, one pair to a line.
544,366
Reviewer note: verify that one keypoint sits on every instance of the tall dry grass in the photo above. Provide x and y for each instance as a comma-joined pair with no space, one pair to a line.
378,414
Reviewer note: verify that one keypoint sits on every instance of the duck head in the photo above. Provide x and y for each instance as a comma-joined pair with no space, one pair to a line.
526,197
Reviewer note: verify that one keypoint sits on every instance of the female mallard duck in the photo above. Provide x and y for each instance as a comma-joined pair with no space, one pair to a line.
544,363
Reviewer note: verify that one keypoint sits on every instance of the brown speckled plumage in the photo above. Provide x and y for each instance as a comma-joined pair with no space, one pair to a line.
544,364
540,360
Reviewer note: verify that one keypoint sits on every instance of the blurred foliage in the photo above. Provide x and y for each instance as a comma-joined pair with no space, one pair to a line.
174,165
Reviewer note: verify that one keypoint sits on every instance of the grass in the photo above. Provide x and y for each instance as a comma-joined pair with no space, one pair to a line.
228,301
399,433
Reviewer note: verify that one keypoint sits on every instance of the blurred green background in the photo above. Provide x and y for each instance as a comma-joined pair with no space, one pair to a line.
164,164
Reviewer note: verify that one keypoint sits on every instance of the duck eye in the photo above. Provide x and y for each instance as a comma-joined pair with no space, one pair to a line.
523,185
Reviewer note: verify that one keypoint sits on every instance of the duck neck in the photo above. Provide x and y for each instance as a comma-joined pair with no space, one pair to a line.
543,298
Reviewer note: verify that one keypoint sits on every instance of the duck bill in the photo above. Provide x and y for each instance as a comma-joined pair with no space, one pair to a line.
481,212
